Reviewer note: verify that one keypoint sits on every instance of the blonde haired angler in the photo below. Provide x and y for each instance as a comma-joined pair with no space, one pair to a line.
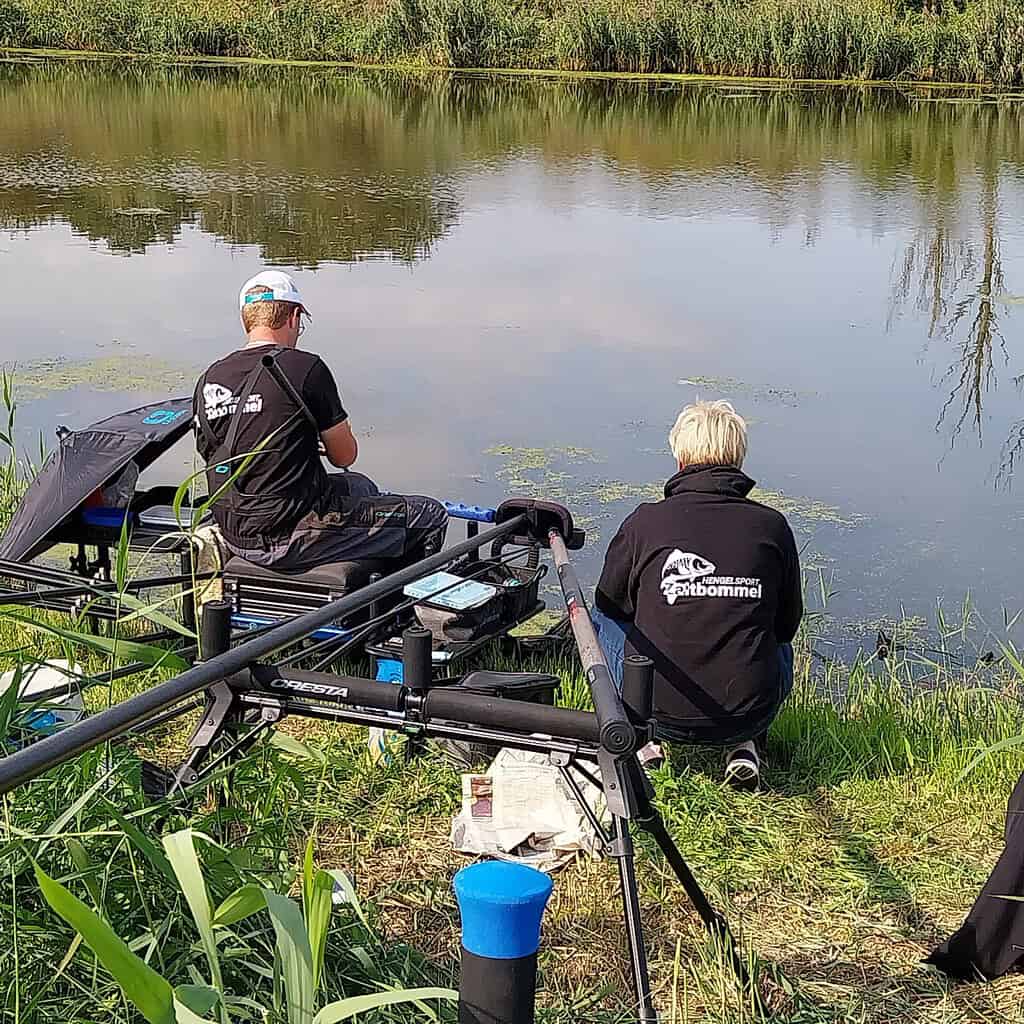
709,434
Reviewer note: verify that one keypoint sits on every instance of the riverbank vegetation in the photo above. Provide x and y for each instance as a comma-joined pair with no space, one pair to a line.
880,822
931,40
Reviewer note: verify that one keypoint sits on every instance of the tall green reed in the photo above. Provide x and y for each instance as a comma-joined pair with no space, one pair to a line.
976,41
284,981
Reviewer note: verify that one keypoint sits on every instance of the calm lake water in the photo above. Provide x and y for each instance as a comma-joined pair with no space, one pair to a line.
519,283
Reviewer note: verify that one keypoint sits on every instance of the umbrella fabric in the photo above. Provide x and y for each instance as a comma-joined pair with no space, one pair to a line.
85,460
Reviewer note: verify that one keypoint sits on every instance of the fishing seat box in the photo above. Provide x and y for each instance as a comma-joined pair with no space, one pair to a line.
263,594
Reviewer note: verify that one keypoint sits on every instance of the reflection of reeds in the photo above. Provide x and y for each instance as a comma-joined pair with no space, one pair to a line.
311,165
974,41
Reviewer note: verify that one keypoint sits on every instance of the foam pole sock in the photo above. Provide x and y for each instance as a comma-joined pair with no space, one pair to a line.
502,905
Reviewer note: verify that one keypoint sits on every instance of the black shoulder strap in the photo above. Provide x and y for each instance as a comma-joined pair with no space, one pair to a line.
270,362
236,420
201,420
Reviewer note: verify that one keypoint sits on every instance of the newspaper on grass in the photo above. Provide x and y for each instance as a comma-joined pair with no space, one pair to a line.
521,809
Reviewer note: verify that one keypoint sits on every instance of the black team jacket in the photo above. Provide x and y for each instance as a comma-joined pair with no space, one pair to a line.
710,582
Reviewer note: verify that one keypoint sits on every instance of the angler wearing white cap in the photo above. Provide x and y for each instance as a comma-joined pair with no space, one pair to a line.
280,406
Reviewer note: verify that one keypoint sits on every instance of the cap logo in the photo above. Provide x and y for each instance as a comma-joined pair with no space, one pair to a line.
261,297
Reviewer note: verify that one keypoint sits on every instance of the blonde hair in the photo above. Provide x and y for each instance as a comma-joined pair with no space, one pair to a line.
272,313
709,434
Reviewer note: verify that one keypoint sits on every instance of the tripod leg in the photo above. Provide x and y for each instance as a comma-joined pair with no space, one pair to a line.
621,847
650,820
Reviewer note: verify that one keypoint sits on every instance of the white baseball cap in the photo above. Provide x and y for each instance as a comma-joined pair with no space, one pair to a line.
276,286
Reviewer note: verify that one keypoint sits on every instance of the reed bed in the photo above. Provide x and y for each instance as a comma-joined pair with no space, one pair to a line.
974,41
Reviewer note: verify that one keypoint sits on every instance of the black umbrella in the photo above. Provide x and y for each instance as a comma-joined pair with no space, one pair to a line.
85,460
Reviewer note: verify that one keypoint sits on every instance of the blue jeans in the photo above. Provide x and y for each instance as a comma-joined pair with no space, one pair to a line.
611,635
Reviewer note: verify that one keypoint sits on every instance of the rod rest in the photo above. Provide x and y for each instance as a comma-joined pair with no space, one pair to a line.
447,703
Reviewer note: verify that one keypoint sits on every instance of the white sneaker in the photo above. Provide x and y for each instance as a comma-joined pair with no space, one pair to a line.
743,767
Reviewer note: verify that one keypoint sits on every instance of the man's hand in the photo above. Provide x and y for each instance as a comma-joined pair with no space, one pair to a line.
340,445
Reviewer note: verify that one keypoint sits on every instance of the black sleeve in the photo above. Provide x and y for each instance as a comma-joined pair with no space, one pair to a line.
321,394
791,598
615,594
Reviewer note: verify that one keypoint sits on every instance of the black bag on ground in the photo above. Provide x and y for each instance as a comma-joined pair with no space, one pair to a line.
990,943
534,687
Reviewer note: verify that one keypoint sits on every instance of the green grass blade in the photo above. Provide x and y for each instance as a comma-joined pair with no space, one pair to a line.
296,748
295,957
148,654
152,613
141,985
199,999
242,903
181,852
351,897
9,701
144,844
183,1014
87,870
345,1009
317,890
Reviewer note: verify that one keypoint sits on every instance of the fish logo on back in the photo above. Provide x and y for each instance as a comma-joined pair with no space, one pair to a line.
680,569
221,401
216,397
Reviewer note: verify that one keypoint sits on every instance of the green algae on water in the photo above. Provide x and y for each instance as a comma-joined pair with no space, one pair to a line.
110,373
553,473
521,460
728,385
809,510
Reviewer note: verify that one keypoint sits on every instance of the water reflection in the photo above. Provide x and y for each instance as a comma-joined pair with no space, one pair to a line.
952,270
307,171
590,245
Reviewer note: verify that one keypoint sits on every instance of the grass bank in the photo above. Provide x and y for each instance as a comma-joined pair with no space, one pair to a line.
959,41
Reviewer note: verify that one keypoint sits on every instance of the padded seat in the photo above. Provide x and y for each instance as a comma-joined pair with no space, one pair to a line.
337,577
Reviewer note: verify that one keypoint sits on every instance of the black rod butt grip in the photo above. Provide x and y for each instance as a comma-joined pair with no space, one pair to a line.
417,661
502,906
638,688
215,631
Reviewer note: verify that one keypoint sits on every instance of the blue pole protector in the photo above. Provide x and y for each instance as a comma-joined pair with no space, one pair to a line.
502,905
457,510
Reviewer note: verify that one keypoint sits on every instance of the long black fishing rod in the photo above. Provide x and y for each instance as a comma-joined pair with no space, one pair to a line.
51,751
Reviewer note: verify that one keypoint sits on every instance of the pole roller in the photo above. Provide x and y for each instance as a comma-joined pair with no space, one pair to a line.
501,905
215,631
416,659
638,688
